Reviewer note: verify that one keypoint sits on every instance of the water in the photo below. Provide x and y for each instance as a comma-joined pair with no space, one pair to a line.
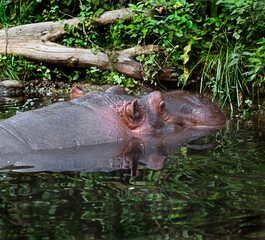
211,193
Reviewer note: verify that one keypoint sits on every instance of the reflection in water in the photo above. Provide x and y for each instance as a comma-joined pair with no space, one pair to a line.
211,188
150,150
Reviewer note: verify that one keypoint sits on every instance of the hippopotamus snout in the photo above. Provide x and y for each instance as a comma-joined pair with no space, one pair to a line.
206,113
193,109
207,117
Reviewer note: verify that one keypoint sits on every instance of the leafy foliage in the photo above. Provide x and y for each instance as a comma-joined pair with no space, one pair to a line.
15,68
217,45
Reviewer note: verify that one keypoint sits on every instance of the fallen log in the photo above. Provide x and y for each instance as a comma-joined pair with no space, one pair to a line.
37,42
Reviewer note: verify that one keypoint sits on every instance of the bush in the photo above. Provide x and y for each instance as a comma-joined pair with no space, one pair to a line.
217,45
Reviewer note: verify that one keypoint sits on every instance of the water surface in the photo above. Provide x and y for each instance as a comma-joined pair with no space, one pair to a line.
211,193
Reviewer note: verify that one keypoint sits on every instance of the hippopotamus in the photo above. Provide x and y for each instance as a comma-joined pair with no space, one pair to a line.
95,118
188,109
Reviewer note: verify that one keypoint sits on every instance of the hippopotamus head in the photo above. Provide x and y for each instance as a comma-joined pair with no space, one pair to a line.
193,109
145,115
188,109
180,108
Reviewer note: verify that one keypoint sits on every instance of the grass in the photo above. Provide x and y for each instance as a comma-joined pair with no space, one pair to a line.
223,73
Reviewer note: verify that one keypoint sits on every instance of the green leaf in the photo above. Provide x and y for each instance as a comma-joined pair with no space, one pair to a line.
172,26
179,33
82,7
170,36
162,31
189,24
183,19
236,35
155,30
185,56
140,58
254,60
246,53
144,31
95,2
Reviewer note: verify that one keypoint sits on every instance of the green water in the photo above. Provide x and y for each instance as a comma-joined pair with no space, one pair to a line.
216,193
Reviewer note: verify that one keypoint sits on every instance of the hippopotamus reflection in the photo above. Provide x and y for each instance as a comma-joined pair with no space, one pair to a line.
150,150
92,119
187,109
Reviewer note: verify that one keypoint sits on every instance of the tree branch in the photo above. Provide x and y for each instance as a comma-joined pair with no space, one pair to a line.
37,42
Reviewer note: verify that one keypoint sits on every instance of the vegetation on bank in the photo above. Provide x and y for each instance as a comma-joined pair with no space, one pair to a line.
217,46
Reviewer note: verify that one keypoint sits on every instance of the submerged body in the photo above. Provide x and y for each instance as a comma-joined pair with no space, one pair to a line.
92,119
105,117
150,150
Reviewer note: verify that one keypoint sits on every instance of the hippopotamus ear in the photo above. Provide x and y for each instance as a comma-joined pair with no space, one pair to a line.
77,92
134,111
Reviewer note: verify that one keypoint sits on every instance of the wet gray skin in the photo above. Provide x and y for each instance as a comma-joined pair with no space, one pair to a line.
193,109
188,109
92,119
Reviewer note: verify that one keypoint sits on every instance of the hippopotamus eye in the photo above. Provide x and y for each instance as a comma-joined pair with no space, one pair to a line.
162,106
